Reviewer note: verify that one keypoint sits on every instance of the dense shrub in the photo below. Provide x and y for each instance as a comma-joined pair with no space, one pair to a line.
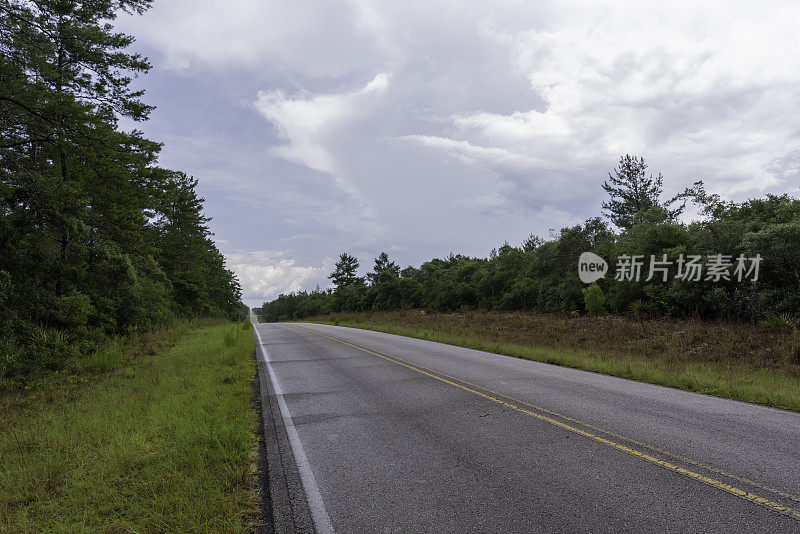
94,236
542,275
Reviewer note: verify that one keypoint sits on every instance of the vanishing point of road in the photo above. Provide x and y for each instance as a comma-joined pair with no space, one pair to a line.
393,434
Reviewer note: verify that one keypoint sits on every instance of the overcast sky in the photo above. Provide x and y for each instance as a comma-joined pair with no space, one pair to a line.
425,127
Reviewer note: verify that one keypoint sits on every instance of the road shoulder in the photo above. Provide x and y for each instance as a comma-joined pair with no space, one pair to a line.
284,507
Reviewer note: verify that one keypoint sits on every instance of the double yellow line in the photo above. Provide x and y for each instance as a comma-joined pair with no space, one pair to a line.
538,413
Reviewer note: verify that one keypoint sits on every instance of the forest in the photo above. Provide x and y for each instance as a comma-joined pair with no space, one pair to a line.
541,274
96,239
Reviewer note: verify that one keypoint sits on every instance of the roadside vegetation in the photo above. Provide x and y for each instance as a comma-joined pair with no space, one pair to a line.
730,329
541,274
96,240
752,363
155,433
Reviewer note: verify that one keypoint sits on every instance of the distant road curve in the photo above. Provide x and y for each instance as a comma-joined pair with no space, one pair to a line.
393,434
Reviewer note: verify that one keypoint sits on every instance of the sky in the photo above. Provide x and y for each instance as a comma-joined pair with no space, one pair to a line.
422,128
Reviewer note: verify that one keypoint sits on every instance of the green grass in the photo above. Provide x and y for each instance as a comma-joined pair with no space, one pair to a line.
724,361
160,443
104,359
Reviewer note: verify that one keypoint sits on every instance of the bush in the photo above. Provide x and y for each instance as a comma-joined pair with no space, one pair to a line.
47,349
9,359
542,276
73,311
594,299
104,359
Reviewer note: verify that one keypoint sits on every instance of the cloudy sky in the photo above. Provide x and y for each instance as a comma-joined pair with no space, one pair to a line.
425,127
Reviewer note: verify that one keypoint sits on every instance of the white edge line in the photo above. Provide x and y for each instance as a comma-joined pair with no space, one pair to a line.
322,522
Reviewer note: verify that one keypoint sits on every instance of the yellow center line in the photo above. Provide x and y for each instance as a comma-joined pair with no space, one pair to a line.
516,405
657,450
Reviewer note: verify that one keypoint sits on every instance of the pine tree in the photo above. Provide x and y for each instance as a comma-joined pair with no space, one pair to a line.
92,233
631,191
383,268
66,81
344,273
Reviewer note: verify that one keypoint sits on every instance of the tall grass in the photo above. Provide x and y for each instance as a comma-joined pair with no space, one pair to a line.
160,444
70,360
104,359
753,363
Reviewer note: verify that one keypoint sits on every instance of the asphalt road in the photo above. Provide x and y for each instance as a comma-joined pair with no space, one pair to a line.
392,434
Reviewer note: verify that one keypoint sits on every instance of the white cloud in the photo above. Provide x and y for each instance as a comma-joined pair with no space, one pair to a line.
266,274
697,87
309,123
499,118
469,153
321,37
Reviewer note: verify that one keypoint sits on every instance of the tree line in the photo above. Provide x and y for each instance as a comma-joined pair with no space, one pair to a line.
542,274
95,238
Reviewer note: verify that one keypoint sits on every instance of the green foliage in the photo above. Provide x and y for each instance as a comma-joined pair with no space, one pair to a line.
93,235
164,444
594,299
232,336
632,192
383,270
542,275
46,348
740,361
104,359
74,310
344,273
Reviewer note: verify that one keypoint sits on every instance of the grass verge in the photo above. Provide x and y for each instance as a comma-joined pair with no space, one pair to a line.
743,362
162,443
